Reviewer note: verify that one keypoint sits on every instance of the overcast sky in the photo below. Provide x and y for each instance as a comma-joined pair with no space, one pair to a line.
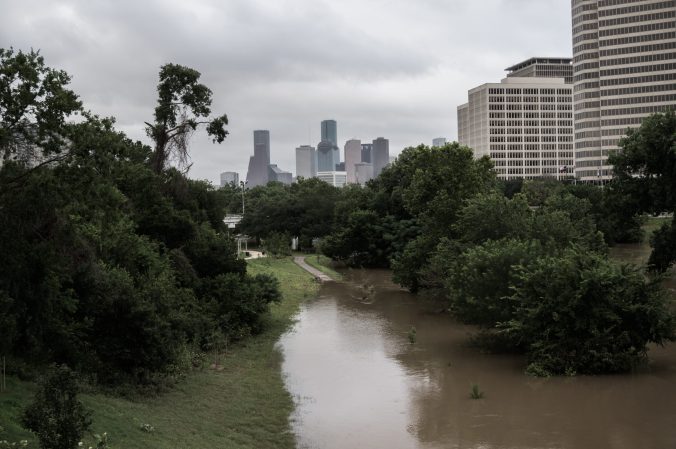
392,68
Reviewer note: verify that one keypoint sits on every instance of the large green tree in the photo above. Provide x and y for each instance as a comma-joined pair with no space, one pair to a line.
183,105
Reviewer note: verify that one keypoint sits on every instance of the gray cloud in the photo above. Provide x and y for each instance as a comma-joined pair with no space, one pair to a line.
389,68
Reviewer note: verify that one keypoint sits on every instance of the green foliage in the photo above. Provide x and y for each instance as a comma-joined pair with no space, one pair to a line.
34,105
56,415
182,105
412,335
663,242
278,244
579,312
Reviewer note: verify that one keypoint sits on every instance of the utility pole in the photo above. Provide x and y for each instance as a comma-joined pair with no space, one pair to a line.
242,183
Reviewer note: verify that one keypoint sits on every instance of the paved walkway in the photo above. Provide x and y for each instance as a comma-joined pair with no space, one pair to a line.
300,260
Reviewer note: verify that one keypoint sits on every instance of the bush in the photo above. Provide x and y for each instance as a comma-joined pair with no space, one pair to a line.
580,313
56,416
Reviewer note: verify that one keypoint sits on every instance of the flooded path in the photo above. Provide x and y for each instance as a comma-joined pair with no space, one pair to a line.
359,383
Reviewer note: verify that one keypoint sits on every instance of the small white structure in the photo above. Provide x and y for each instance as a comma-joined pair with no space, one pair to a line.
335,178
232,220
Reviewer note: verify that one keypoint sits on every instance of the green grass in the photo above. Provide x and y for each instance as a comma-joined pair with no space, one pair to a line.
243,406
323,264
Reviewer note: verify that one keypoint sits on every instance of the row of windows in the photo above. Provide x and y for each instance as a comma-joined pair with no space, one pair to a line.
543,148
636,39
637,90
639,59
585,57
587,105
587,95
606,3
585,18
586,85
498,162
636,110
585,37
587,114
532,115
587,135
530,131
637,29
638,100
591,153
582,164
585,27
527,123
639,79
638,69
582,8
527,91
585,47
590,173
588,124
531,139
636,8
638,49
586,76
586,66
641,18
628,121
530,99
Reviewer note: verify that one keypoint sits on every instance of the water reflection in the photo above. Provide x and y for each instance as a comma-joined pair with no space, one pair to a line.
359,383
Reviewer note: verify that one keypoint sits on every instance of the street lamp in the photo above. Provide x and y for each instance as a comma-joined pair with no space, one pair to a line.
242,184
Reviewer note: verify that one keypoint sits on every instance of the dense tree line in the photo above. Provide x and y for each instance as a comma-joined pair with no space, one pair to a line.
525,261
112,261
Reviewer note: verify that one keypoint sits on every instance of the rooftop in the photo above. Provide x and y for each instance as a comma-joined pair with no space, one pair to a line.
539,60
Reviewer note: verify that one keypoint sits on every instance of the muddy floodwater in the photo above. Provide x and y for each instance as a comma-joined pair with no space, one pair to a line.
358,382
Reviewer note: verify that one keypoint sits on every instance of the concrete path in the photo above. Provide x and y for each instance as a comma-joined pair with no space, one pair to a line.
321,277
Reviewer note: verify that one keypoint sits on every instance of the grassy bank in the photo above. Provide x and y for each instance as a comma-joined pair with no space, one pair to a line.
244,405
323,264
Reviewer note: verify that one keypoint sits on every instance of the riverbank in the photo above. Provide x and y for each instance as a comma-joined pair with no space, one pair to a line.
323,264
244,404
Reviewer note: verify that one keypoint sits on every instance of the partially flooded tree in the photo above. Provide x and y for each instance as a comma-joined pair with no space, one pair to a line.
184,104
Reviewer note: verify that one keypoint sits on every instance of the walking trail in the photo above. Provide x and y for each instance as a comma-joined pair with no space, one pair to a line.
300,260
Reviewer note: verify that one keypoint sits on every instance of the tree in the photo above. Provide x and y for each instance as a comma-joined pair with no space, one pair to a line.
183,105
56,416
34,106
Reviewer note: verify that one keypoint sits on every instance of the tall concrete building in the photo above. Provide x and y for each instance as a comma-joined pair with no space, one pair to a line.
524,124
229,177
306,161
335,178
624,57
330,133
366,149
257,173
352,158
325,156
439,142
380,155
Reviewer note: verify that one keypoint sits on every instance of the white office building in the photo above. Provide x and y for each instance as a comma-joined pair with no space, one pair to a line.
335,178
229,177
524,124
363,172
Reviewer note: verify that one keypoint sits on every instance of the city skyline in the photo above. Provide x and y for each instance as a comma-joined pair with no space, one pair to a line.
377,81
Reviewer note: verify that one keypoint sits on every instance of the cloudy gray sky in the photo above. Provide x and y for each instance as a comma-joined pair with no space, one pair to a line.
392,68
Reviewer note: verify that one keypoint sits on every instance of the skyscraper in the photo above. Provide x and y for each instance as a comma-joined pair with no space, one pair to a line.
325,157
624,69
380,155
278,175
352,158
306,161
257,173
330,134
439,142
363,172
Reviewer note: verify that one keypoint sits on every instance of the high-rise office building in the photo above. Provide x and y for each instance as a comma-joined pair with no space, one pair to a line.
325,156
335,178
439,142
306,161
330,134
257,173
366,149
352,158
380,155
524,124
229,177
624,62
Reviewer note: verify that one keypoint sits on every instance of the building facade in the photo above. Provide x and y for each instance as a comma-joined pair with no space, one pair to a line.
229,177
380,155
335,178
306,161
525,125
363,172
329,130
257,174
624,58
276,174
352,158
543,68
325,156
366,149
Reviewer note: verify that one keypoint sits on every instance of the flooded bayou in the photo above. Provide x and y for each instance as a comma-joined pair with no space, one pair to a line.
359,382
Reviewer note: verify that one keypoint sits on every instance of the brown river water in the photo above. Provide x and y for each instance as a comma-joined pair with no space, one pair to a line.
359,383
